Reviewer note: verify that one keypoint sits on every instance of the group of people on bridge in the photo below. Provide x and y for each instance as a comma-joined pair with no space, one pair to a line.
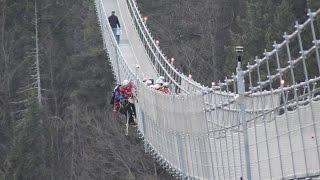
159,84
124,96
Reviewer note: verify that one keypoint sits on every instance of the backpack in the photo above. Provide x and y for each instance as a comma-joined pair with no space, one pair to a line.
115,94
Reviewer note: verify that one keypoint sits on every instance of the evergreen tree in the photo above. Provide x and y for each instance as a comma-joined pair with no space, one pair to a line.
263,23
27,159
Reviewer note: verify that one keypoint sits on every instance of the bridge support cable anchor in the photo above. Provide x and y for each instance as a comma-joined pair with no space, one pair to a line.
241,92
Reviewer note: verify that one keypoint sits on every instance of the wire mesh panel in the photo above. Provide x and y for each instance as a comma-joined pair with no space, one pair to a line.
183,114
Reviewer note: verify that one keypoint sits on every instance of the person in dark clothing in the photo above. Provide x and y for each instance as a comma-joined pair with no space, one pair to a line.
130,110
114,23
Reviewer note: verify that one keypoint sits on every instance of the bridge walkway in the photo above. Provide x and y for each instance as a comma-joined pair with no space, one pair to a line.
130,45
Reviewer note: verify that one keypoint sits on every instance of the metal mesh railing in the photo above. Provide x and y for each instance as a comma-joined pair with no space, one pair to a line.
199,134
210,145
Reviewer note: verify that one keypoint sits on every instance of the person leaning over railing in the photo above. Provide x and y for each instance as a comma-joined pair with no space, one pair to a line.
128,107
159,85
116,98
123,100
148,81
165,88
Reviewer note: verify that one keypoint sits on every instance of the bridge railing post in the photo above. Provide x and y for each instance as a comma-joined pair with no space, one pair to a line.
241,92
145,134
181,155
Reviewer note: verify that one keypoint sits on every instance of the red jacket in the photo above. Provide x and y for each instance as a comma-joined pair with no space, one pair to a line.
166,90
126,90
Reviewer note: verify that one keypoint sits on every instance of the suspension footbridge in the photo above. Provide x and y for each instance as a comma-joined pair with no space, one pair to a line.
261,123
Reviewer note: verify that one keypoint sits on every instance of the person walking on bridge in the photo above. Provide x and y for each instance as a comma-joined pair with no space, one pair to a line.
115,26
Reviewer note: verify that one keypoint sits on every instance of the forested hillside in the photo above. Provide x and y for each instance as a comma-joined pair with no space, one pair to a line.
201,34
72,133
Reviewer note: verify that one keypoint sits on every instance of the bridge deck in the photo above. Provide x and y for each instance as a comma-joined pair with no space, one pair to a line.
130,44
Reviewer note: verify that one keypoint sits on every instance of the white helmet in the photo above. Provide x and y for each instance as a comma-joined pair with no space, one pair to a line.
159,81
148,82
161,77
165,84
125,82
156,86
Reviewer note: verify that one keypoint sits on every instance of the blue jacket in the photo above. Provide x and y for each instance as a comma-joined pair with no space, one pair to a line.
118,96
